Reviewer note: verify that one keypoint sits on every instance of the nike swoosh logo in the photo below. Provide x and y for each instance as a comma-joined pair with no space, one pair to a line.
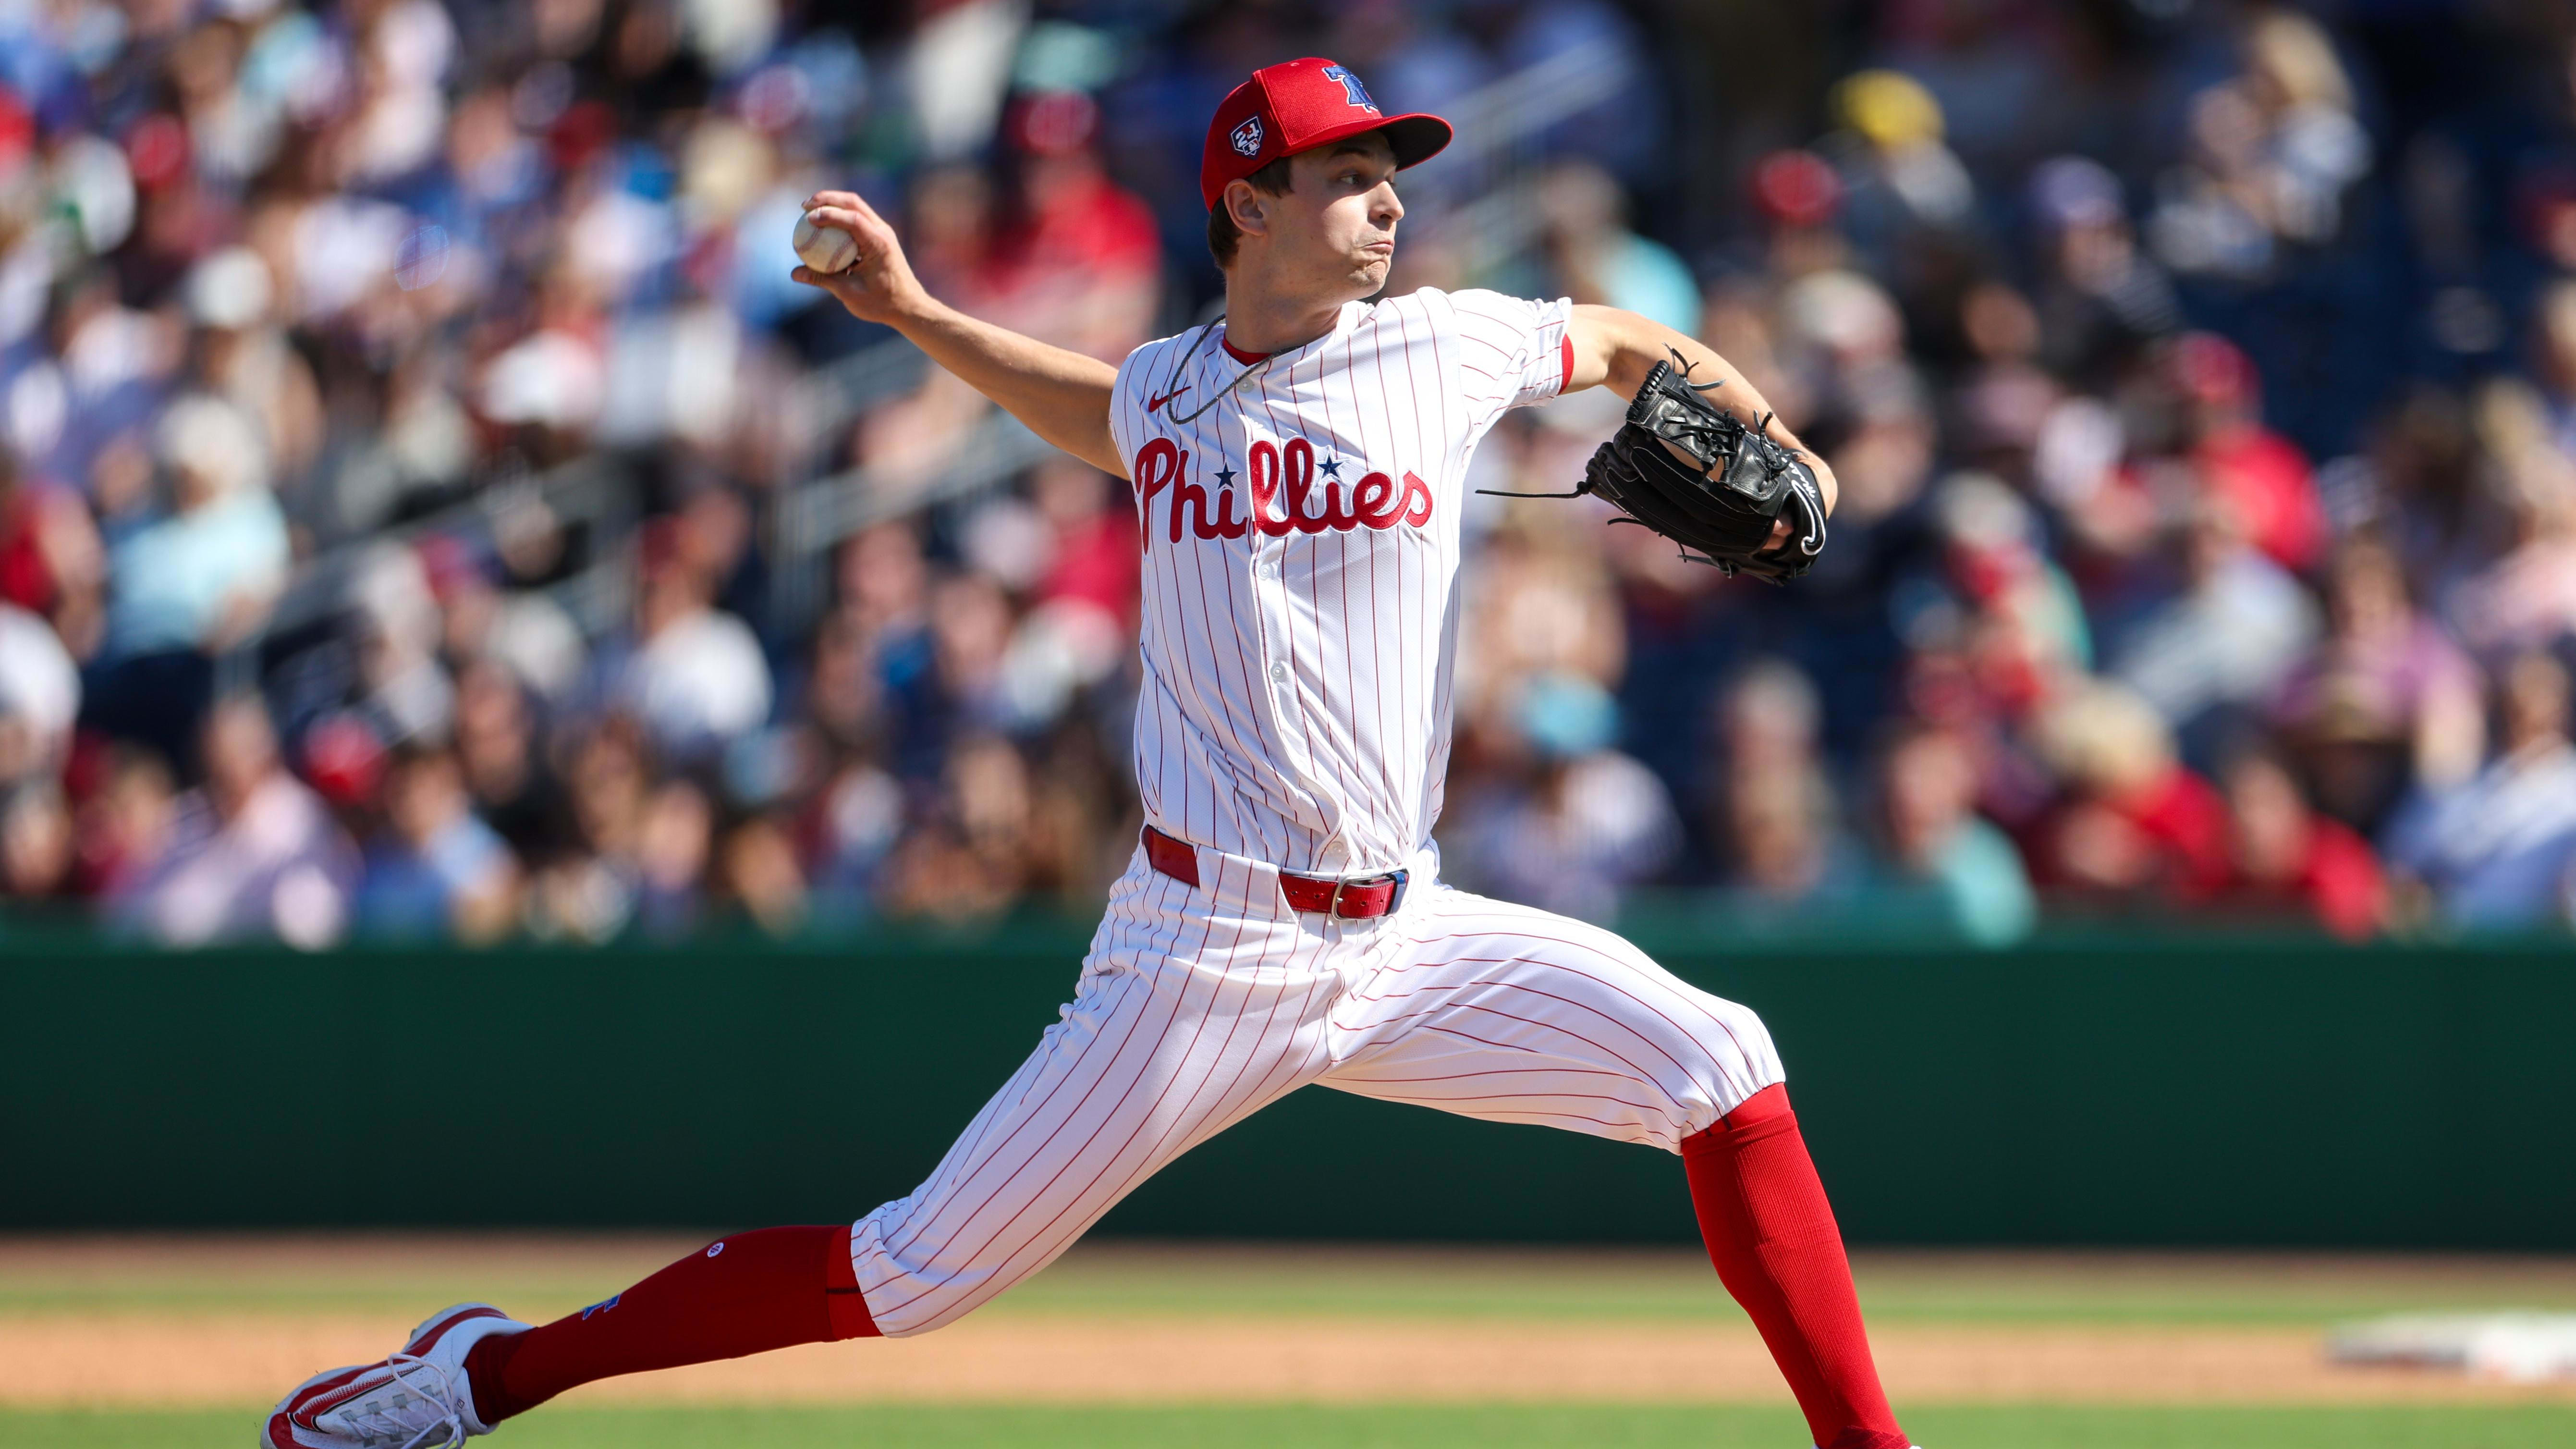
1155,404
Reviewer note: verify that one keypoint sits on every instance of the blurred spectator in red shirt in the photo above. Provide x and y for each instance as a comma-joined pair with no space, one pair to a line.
1096,560
2288,859
2132,822
1999,630
1075,258
2258,473
51,560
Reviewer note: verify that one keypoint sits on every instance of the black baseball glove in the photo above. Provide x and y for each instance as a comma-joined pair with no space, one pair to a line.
1721,508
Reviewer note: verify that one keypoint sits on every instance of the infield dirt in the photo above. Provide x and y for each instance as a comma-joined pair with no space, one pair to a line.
224,1320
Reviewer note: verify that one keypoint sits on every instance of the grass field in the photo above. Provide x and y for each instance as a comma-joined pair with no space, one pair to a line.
176,1343
1388,1426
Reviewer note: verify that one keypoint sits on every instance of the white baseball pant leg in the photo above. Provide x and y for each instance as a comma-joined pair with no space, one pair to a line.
1198,1006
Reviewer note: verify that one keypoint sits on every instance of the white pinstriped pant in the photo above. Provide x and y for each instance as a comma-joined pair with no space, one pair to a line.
1198,1006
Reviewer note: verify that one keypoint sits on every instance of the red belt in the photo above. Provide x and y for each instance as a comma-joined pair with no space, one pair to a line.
1355,900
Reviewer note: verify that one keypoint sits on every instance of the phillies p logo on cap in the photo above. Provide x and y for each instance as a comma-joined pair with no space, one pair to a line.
1352,90
1299,105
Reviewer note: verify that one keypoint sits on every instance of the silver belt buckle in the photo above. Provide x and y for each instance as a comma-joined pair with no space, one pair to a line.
1333,907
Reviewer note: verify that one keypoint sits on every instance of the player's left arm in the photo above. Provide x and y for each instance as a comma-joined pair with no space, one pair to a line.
1617,349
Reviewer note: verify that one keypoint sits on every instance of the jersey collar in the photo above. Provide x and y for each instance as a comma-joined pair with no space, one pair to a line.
1342,323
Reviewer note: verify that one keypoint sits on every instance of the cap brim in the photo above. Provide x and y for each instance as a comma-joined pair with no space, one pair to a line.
1414,139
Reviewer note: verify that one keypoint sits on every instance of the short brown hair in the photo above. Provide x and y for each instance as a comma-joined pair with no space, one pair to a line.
1270,180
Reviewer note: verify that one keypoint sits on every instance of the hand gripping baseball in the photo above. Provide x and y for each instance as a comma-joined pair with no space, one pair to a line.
1727,491
879,286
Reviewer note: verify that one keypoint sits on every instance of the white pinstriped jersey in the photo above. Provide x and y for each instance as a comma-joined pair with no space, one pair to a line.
1301,564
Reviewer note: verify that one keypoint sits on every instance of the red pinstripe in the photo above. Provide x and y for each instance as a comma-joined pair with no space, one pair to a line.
1127,984
1678,1064
1154,1156
1215,992
1558,1071
1713,1017
1348,1085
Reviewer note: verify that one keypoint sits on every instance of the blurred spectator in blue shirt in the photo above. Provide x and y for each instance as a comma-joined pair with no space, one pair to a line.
2228,637
1933,843
206,573
438,870
1593,257
2495,853
1583,823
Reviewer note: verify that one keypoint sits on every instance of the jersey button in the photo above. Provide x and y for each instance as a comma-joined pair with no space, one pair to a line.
1279,672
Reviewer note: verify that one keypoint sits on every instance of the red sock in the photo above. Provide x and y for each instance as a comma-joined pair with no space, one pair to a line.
748,1293
1772,1236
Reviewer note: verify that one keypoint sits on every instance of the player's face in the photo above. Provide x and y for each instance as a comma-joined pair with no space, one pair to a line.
1337,223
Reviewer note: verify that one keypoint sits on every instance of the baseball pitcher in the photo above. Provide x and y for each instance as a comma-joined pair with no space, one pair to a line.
1298,469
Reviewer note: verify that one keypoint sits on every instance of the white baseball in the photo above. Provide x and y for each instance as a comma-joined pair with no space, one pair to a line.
825,249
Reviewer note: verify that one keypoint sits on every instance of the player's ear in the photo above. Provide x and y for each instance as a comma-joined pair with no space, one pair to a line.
1249,208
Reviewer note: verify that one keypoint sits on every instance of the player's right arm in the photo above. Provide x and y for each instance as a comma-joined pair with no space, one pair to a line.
1063,396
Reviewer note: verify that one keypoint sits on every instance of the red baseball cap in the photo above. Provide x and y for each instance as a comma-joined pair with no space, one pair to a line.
1296,106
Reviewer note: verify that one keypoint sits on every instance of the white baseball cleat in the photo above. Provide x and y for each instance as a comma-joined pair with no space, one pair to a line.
416,1398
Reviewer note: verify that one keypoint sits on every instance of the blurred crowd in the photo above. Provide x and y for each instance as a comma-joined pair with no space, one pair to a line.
427,511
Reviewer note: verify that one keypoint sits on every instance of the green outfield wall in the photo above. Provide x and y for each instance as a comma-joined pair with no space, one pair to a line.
2102,1090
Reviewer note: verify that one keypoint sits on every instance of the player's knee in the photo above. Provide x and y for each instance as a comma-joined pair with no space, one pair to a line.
1746,1031
1736,1059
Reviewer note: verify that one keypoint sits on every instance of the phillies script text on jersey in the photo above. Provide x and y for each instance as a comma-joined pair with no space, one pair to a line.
1301,568
1376,501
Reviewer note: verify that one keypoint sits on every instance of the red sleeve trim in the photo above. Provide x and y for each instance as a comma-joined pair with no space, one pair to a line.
1565,360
